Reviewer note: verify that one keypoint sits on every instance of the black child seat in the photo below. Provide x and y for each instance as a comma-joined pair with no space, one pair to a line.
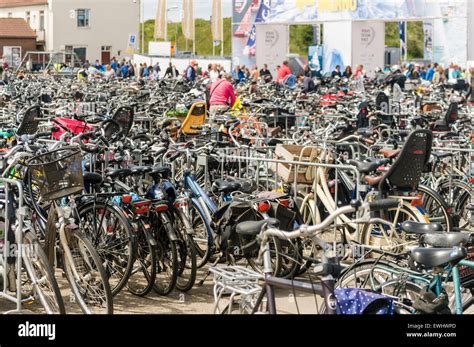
406,171
124,116
30,121
449,118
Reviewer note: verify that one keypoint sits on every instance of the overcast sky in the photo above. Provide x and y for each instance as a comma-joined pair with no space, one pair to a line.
202,9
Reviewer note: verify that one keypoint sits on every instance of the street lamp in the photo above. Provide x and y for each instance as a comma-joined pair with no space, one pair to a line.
167,12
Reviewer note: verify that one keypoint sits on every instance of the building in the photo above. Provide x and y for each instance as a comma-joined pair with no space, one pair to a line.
93,29
16,38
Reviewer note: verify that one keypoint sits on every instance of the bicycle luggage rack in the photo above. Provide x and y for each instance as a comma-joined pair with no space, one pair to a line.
234,281
19,241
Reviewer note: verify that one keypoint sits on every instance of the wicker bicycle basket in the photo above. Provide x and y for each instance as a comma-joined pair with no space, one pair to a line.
57,173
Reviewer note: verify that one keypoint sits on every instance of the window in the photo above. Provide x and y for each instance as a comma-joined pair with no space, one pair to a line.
41,22
106,48
83,17
28,17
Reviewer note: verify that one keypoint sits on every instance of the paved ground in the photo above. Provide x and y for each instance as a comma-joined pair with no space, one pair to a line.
198,300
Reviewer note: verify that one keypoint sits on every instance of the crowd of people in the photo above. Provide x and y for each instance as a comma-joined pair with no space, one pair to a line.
222,95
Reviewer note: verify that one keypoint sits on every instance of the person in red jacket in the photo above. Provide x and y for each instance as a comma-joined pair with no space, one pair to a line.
282,72
222,95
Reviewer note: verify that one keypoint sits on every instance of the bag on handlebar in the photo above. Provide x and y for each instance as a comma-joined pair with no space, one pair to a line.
358,301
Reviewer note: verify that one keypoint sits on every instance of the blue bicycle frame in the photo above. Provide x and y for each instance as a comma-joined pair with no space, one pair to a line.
202,201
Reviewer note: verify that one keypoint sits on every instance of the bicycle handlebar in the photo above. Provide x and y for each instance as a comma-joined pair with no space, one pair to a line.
309,231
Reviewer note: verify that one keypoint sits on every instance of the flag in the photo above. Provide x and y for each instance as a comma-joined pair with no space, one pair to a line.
188,19
428,39
403,40
216,20
262,15
161,25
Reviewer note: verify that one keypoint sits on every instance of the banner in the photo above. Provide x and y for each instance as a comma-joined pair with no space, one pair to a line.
273,43
428,39
262,15
188,19
216,21
161,25
368,43
317,34
291,11
403,40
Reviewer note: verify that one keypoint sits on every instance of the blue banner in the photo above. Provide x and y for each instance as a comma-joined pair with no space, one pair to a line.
403,39
262,16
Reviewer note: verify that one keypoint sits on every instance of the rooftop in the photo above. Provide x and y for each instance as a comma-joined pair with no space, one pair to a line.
15,28
19,3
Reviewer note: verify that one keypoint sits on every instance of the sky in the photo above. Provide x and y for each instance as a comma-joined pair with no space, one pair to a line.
202,9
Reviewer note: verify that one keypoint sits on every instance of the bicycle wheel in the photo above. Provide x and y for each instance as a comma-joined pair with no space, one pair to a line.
167,267
290,264
200,236
86,275
41,281
143,274
276,256
393,238
436,208
113,238
186,253
458,195
385,278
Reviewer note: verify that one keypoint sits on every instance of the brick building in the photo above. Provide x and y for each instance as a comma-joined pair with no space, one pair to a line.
16,38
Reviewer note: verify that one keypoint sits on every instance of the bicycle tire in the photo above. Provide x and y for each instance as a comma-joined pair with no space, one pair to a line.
144,264
41,262
115,246
101,276
186,255
167,259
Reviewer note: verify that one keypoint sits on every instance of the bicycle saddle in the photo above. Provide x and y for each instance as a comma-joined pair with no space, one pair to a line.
413,227
226,187
446,240
140,170
431,257
252,228
160,171
116,173
92,178
364,166
389,153
441,155
373,180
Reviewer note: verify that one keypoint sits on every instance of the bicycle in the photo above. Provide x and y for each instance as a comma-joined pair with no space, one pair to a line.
58,175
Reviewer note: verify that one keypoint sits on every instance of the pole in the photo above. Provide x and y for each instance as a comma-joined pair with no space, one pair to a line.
222,36
166,26
176,40
142,10
406,41
194,34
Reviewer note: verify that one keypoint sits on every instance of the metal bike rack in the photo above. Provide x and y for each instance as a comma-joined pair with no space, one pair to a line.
19,241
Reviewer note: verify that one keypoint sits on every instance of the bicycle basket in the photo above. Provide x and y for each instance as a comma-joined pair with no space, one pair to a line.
57,173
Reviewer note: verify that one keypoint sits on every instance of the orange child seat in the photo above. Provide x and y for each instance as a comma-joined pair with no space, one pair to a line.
196,118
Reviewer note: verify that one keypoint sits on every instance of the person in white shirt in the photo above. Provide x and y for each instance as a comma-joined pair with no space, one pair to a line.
109,72
213,73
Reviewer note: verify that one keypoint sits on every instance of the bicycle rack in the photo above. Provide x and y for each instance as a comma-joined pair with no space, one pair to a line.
19,241
234,281
267,158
